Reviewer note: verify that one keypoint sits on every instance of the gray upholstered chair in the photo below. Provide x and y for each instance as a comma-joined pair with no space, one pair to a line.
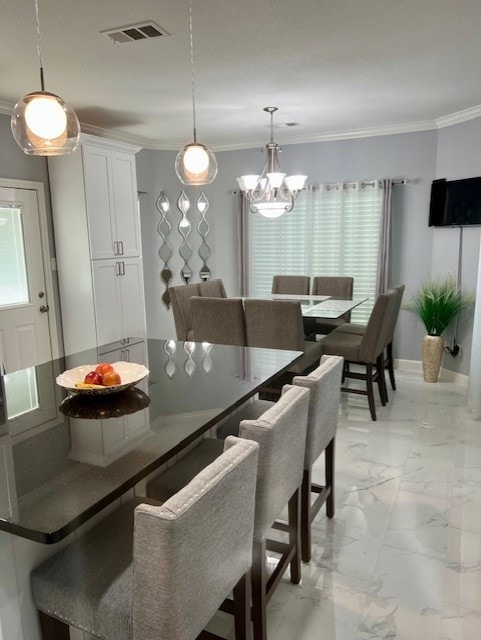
324,384
281,434
277,324
159,572
180,299
212,288
359,329
340,287
218,320
366,349
291,285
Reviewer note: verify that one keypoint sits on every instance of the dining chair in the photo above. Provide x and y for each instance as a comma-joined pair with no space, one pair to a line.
218,320
291,285
324,384
277,324
336,287
359,329
366,350
180,299
159,572
212,288
281,434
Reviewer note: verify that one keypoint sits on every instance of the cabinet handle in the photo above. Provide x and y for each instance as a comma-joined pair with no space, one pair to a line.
117,269
116,248
127,355
121,245
123,268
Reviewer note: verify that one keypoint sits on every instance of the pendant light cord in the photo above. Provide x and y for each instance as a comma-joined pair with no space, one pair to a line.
39,46
191,67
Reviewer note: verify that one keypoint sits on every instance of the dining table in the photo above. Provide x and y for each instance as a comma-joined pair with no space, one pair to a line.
318,306
57,474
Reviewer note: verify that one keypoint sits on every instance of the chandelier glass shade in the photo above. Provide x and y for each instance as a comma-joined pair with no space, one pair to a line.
42,123
195,163
271,193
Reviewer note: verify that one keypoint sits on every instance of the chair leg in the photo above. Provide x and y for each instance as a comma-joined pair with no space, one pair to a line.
306,516
390,366
53,629
242,608
294,512
259,600
370,391
330,468
381,380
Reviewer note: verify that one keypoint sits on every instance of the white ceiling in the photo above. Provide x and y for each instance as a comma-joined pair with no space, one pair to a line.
338,67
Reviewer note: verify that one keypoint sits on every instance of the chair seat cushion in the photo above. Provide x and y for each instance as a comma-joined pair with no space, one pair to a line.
89,583
352,327
312,355
343,344
175,478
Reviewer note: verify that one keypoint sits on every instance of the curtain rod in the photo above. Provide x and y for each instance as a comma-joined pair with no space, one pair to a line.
395,181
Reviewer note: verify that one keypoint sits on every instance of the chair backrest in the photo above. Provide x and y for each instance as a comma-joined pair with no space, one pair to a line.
274,324
218,320
335,286
291,285
395,312
180,299
324,384
375,336
212,289
191,551
281,434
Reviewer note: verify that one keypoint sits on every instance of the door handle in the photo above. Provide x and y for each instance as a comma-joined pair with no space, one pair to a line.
44,308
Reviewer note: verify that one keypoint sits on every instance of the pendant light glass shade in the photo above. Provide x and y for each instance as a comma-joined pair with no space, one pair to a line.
45,125
195,163
271,193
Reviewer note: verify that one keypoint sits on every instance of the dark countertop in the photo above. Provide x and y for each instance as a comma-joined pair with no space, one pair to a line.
59,477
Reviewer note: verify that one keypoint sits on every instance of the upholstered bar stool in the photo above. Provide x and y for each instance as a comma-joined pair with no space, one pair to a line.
180,299
359,329
366,350
291,285
212,288
159,572
218,320
281,434
324,384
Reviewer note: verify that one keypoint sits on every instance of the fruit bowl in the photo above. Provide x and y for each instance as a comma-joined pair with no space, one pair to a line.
130,373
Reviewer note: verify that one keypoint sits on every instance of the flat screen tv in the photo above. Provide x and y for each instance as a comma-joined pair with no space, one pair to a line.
455,203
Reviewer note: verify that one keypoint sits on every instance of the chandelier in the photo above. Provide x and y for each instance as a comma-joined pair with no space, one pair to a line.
271,193
42,123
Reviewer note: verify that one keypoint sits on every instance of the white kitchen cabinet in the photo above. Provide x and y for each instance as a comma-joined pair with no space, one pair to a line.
98,244
111,197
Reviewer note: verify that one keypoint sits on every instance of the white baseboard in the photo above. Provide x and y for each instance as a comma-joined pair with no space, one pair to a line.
445,375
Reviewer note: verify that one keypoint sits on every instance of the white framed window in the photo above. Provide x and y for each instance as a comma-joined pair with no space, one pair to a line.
333,230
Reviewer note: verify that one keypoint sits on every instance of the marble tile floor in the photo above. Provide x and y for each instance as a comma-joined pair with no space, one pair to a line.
401,559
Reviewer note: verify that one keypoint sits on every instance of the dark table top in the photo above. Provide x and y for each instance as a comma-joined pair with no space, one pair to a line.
56,478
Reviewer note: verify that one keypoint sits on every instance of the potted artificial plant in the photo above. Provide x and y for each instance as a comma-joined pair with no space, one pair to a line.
437,303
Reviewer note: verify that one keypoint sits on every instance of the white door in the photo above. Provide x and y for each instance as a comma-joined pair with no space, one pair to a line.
24,321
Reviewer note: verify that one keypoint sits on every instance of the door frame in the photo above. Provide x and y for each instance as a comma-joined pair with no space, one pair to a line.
48,259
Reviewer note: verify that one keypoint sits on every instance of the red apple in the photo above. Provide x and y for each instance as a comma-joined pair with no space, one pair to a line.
93,378
110,378
103,367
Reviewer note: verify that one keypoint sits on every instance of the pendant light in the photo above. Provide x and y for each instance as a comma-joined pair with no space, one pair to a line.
271,193
43,124
195,163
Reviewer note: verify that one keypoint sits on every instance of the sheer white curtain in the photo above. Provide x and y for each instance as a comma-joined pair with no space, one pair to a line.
334,230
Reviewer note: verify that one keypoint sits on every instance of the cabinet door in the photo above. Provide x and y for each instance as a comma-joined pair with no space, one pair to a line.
108,308
132,298
127,222
99,201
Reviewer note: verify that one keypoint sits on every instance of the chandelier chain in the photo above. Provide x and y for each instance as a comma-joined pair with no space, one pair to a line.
39,46
192,68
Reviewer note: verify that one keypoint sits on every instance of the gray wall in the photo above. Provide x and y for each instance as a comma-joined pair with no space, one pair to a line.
412,156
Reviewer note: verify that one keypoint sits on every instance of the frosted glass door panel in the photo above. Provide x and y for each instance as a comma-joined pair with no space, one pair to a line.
13,269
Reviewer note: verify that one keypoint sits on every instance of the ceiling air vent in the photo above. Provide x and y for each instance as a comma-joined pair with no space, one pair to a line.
133,32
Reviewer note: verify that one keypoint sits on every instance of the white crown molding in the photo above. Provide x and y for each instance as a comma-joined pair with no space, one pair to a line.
459,116
114,136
